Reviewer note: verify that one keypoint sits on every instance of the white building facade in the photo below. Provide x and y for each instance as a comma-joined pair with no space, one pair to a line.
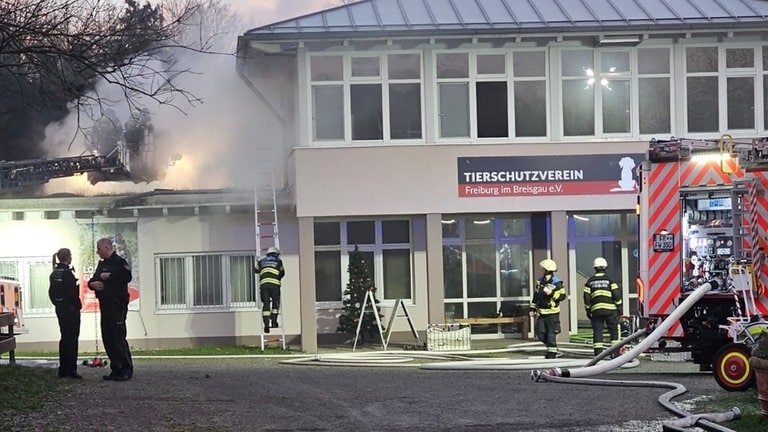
457,143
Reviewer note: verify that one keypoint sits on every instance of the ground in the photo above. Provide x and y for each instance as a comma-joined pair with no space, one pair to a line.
267,395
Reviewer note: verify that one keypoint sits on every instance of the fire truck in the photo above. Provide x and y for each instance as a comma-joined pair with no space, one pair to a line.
703,216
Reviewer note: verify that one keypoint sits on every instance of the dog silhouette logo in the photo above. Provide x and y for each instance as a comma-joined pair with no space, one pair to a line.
627,182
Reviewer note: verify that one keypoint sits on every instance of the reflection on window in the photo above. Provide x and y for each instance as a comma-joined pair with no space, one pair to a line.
397,273
481,270
513,270
530,108
616,114
365,100
328,112
385,247
702,104
405,111
654,105
454,110
243,280
452,272
578,108
328,276
741,103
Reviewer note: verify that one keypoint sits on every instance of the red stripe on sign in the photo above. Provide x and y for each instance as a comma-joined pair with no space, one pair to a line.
541,189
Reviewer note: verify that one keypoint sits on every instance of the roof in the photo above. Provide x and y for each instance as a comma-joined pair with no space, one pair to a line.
407,17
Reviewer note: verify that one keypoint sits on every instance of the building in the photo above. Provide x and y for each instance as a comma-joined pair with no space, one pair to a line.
457,143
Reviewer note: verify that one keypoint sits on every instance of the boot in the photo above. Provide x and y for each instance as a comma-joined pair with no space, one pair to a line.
274,323
598,351
266,325
550,355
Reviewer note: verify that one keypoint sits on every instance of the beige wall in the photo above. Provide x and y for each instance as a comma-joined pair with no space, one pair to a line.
423,179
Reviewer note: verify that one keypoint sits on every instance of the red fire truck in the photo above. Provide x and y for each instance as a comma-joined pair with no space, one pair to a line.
703,215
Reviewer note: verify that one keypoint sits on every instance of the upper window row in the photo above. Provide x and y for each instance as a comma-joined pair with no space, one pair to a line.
540,93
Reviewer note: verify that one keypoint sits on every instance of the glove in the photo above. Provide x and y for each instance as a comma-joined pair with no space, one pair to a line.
589,314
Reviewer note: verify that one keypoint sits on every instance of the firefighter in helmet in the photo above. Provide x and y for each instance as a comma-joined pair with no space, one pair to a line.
602,300
545,306
270,270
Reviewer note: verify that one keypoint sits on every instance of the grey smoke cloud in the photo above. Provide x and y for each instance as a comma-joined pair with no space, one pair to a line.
216,138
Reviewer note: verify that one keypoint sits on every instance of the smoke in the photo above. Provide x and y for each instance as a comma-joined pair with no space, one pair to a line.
216,138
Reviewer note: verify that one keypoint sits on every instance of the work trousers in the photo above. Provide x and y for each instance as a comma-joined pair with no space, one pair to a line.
600,320
113,334
270,299
69,327
546,329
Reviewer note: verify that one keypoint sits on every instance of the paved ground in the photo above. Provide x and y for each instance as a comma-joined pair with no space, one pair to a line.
259,394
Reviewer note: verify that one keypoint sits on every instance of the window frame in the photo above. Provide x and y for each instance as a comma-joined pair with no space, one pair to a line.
383,80
227,302
25,279
377,248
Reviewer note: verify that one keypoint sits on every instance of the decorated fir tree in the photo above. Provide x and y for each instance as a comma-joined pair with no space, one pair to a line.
354,296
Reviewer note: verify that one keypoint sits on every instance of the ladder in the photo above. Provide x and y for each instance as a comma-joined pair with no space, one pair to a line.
740,212
267,234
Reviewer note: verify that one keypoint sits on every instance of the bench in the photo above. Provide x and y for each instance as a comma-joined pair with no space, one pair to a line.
524,320
8,340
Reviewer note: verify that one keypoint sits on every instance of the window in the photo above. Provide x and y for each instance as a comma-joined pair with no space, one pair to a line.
32,274
476,90
486,261
529,70
205,282
378,96
386,249
719,78
654,103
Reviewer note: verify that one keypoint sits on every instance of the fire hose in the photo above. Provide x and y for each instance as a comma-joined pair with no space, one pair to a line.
578,376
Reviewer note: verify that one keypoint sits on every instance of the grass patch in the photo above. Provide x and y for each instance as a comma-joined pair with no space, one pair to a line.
211,350
751,418
26,388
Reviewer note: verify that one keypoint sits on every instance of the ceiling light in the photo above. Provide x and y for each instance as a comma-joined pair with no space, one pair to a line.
581,218
449,221
618,40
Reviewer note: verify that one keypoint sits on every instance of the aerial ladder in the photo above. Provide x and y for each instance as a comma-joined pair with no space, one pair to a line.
267,233
116,154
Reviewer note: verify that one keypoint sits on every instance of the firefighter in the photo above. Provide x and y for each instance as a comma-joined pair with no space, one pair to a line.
65,296
545,306
270,270
602,300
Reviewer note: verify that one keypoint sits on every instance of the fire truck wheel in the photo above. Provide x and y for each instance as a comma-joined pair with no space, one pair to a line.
731,368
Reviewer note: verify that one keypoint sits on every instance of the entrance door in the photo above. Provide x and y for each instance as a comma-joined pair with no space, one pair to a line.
611,236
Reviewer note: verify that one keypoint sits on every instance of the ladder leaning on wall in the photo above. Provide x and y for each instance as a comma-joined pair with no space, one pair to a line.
267,235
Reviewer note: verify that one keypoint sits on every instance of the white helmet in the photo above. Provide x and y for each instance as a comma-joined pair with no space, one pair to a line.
600,262
273,250
548,265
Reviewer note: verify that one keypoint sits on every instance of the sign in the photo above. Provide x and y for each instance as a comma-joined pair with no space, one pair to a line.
663,242
509,176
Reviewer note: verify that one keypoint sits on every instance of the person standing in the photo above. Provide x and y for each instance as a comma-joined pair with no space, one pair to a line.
545,306
270,270
602,300
65,296
110,282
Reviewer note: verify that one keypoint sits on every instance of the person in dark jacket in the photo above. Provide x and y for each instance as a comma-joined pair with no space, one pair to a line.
602,300
65,296
545,306
270,270
110,282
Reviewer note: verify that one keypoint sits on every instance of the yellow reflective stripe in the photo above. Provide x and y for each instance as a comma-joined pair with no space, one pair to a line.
269,280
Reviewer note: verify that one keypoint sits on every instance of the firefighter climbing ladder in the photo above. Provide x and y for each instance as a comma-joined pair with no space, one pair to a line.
265,214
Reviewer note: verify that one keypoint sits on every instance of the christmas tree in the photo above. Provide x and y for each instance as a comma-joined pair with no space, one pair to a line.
354,296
